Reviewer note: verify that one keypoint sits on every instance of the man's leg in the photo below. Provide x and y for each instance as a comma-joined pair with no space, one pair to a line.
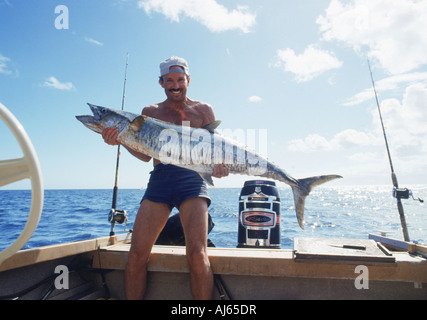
194,217
149,222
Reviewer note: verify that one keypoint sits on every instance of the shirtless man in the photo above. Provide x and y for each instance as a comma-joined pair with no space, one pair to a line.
171,186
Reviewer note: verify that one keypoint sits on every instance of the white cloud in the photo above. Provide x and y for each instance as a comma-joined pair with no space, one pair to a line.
407,120
307,65
364,157
3,64
254,99
363,152
93,41
55,83
405,123
392,31
343,140
406,128
360,97
313,142
209,13
390,83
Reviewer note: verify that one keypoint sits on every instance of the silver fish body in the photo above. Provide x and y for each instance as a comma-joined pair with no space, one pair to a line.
197,149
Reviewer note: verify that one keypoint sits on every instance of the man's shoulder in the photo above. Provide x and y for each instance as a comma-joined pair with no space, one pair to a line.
205,112
151,110
202,106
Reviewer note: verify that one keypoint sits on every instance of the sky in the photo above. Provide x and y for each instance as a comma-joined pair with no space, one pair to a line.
295,70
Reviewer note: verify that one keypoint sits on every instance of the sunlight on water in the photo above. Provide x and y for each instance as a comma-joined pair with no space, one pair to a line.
344,212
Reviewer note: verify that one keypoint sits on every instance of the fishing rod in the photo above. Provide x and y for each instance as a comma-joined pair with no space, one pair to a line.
398,193
118,216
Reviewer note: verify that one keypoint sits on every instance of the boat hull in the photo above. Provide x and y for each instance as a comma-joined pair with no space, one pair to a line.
97,272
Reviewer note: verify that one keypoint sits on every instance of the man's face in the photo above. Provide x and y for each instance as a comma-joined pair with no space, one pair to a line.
175,85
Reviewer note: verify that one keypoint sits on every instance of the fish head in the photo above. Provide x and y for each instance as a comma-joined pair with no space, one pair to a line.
105,118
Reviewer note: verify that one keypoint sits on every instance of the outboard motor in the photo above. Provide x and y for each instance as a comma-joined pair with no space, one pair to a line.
259,215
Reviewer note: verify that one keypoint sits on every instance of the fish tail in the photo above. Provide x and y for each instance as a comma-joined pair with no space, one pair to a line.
303,188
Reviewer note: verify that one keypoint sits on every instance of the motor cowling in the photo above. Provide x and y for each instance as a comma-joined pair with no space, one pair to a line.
259,215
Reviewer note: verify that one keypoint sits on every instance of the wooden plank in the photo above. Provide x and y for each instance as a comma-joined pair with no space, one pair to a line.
397,244
390,242
270,263
361,250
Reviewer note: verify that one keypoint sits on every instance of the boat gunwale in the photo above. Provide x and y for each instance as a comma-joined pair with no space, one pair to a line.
26,257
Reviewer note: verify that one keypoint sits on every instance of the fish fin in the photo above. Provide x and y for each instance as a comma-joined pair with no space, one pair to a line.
303,188
299,199
207,177
212,126
138,122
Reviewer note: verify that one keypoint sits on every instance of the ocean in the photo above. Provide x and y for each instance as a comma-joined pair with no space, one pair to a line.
330,212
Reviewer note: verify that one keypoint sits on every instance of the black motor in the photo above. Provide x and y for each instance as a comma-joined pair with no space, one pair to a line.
173,233
259,215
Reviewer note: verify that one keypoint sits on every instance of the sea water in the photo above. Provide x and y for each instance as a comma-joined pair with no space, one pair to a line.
330,212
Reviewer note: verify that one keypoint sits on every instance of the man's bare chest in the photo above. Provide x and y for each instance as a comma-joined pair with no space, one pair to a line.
181,118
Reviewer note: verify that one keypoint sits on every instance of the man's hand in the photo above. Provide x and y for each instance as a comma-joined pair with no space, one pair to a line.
220,171
110,136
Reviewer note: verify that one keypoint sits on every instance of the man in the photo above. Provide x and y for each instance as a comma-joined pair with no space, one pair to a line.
171,186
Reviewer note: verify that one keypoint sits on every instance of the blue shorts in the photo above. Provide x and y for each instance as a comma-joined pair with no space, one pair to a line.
173,185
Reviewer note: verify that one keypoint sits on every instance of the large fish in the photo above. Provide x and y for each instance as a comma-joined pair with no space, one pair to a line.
198,149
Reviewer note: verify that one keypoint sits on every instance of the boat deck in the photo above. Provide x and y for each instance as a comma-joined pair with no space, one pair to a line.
244,274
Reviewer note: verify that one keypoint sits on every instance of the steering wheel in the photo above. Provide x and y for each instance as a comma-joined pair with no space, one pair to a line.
19,169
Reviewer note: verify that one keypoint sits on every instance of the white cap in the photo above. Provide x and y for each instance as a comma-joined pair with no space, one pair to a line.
171,62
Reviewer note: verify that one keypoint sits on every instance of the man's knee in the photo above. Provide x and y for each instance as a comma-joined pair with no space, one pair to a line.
198,260
137,262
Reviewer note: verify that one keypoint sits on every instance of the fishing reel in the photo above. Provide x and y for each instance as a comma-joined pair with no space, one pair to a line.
118,216
404,193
